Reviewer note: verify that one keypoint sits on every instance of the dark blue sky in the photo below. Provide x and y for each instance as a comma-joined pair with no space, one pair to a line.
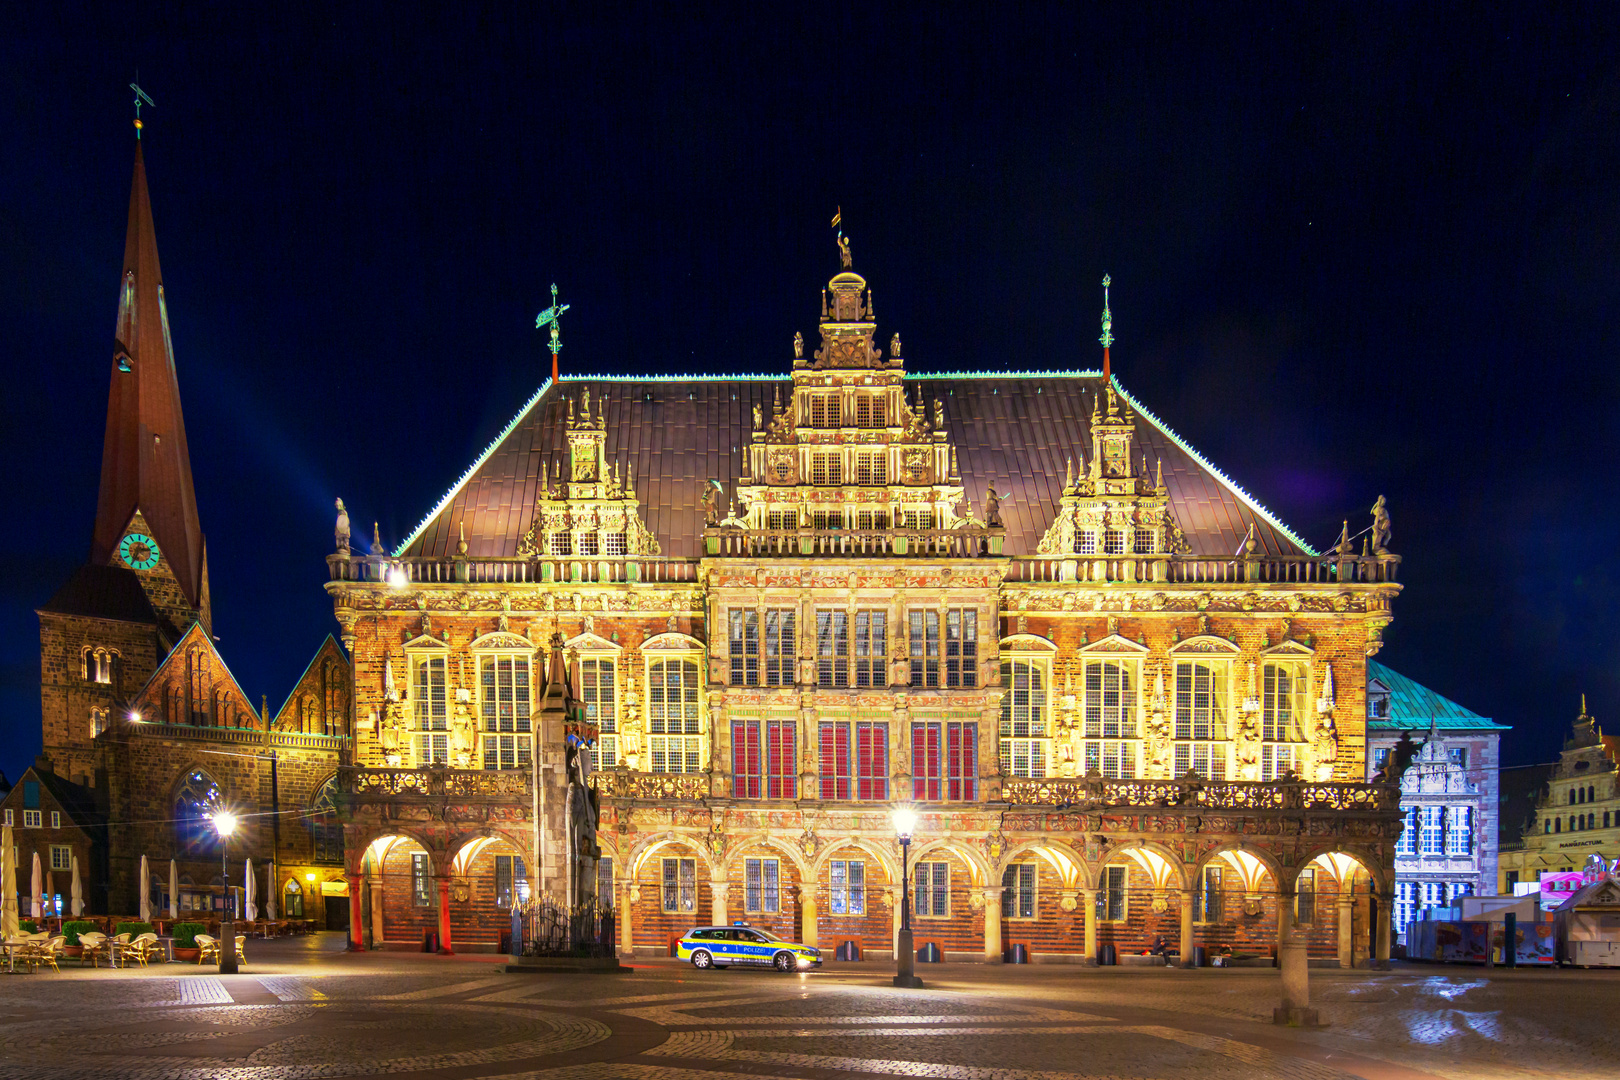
1355,250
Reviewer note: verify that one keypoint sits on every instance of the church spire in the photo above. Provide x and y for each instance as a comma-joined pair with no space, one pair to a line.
145,466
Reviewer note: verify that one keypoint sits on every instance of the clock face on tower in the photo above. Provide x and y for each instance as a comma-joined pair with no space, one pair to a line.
139,551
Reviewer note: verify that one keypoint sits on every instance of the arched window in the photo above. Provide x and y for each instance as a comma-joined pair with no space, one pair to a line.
324,827
195,804
293,908
309,724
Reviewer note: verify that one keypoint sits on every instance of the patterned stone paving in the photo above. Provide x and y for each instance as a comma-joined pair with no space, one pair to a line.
324,1014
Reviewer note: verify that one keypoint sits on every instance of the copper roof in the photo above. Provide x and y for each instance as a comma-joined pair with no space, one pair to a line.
144,461
1013,431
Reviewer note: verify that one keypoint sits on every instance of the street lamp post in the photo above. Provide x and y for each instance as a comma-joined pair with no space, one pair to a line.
905,821
225,825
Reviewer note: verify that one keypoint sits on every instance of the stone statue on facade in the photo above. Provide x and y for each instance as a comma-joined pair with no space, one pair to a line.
939,415
342,529
759,418
711,504
844,256
798,346
894,347
1380,528
992,507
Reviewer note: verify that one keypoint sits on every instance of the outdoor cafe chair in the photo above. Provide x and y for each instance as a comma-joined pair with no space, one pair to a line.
207,949
91,946
48,953
142,948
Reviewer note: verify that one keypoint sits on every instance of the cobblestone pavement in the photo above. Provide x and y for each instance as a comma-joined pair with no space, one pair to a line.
303,1009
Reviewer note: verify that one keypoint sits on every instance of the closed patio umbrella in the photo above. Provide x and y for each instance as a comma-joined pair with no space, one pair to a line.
50,893
78,890
146,891
270,891
174,889
36,888
251,895
9,926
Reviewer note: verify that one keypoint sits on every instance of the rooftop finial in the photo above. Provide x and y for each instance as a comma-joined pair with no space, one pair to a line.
550,316
1107,338
140,96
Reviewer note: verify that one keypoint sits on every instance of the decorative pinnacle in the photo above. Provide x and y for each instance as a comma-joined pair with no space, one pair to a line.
1107,338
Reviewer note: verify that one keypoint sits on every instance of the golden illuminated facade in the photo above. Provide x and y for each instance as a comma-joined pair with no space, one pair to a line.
1125,700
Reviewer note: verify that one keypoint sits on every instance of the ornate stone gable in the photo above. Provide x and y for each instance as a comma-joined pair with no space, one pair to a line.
593,511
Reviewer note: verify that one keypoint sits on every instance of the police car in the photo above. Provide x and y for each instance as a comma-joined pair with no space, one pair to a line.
722,946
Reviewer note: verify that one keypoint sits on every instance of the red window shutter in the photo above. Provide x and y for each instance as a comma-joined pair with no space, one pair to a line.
745,759
784,779
925,763
872,748
835,761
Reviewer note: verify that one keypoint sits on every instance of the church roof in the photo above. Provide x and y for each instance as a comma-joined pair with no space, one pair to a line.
105,592
1413,706
145,464
1013,431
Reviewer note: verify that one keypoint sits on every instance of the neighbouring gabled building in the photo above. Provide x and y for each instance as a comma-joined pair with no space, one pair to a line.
1449,791
1577,808
1125,699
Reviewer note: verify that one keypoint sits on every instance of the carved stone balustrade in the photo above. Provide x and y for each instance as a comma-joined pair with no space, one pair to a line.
967,542
455,569
1199,570
1093,793
621,784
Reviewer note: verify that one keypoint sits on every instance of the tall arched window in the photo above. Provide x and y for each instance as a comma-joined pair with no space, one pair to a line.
324,827
195,804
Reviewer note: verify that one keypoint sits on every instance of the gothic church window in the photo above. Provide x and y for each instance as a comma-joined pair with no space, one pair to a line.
195,803
326,831
98,721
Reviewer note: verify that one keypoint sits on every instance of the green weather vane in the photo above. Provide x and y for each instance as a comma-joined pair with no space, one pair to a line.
140,96
1107,338
550,317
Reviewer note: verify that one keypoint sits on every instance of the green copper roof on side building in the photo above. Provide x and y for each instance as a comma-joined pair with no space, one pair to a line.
1413,706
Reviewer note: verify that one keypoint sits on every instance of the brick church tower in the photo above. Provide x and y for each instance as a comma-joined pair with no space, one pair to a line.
105,631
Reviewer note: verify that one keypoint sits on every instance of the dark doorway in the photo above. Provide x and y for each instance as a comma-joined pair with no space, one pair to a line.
337,912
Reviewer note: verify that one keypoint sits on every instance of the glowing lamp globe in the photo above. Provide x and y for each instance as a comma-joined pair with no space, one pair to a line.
224,823
905,822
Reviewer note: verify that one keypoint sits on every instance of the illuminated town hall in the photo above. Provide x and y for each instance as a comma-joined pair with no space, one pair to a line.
1126,701
685,643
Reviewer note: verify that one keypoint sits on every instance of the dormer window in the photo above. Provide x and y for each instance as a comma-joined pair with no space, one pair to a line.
1378,706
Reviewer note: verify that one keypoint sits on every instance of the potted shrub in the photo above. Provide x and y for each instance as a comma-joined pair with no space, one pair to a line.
27,926
71,931
185,940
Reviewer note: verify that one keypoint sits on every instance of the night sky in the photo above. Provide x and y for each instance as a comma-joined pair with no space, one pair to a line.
1355,251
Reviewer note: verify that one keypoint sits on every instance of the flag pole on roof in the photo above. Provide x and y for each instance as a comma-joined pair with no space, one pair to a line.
1107,338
